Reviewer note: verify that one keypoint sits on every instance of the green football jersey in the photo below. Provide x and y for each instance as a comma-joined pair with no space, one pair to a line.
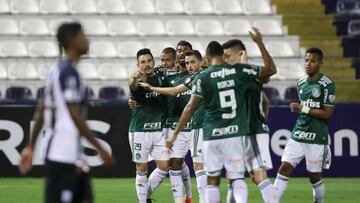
146,117
314,94
223,89
177,103
256,112
198,117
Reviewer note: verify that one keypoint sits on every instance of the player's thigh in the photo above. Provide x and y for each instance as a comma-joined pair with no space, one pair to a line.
213,159
257,152
181,145
196,146
140,146
60,182
158,150
233,156
316,157
293,153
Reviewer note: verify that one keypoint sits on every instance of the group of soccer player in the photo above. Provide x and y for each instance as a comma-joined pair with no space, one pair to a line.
212,105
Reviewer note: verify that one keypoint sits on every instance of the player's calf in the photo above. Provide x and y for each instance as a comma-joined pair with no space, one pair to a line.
318,187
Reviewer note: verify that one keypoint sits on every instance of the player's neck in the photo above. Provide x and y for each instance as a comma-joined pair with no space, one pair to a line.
314,76
182,69
217,61
72,56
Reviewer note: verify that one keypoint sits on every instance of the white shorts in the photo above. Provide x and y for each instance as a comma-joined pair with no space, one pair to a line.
257,152
145,144
181,145
317,156
196,145
224,153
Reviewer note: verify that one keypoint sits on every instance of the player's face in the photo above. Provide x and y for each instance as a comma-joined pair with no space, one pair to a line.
81,43
193,64
167,61
180,54
232,56
146,64
312,64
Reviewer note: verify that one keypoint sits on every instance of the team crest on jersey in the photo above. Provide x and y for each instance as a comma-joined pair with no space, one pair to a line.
316,92
71,82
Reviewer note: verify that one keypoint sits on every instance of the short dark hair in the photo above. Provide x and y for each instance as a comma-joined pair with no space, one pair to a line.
315,50
234,44
144,52
169,50
184,43
195,53
214,48
66,32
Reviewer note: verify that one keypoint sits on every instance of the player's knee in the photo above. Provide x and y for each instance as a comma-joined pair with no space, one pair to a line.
286,169
258,176
213,180
314,177
198,166
141,167
176,164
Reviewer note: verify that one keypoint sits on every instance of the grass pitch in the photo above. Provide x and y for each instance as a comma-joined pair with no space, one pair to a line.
30,190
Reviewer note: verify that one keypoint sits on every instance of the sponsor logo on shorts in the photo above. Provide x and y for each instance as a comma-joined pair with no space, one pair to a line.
315,162
305,135
232,129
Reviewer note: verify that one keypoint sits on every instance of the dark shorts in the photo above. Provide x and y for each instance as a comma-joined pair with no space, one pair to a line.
65,184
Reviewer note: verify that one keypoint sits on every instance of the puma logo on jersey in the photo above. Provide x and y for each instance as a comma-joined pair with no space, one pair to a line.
223,72
311,103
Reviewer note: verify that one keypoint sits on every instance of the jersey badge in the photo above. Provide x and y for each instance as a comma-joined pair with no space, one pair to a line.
316,92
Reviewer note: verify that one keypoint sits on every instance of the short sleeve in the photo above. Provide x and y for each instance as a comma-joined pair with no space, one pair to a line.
70,85
189,81
251,71
329,95
198,86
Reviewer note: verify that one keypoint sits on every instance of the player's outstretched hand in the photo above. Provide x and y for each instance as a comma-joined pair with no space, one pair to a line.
145,85
131,103
108,161
295,107
25,164
255,35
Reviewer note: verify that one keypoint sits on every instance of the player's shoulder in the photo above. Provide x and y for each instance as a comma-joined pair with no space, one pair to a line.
67,69
301,81
326,81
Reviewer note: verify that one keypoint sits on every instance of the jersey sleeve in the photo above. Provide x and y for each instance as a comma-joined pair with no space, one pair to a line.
70,85
329,95
198,86
250,72
189,82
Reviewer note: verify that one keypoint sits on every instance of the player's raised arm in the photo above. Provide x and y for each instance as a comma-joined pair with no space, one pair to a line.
269,68
186,115
170,91
133,81
27,153
265,105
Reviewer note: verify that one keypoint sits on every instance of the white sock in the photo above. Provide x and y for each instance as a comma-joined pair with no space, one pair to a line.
141,186
230,195
280,185
201,181
319,192
268,191
155,179
212,194
185,175
240,191
177,186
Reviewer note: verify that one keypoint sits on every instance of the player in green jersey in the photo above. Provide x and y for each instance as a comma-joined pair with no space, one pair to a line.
193,61
257,153
145,130
222,88
309,138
